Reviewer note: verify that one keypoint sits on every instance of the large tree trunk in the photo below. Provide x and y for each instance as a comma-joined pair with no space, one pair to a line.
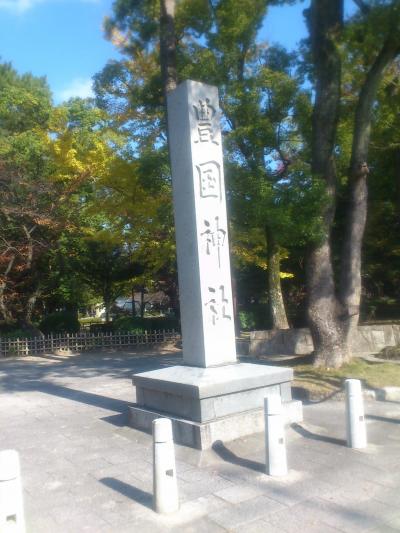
397,178
275,297
323,309
30,306
350,282
4,310
326,18
168,45
142,304
107,300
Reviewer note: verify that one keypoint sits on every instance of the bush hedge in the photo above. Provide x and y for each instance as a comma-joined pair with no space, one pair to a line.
255,317
140,325
60,322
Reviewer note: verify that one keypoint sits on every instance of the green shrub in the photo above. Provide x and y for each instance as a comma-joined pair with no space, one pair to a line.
60,322
90,320
254,318
102,327
390,352
9,333
139,325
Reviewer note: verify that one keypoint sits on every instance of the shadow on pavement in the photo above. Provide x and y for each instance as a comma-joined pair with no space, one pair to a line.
88,398
383,419
18,374
314,436
120,420
133,493
228,456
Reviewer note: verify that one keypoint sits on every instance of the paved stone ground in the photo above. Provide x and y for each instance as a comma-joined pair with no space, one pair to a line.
85,470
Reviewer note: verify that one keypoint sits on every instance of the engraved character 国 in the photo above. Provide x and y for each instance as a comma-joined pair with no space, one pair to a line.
210,179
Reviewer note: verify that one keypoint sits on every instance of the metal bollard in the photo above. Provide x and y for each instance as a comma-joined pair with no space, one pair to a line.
11,504
165,487
355,420
275,449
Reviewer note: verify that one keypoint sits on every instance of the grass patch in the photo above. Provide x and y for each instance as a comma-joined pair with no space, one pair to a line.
90,320
322,383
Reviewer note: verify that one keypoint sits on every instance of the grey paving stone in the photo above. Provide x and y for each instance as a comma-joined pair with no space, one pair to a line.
246,512
43,523
292,522
360,491
395,522
203,525
258,526
64,417
345,518
384,528
236,494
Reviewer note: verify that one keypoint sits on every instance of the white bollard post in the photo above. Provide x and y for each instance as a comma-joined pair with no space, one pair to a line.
165,487
11,504
355,419
275,449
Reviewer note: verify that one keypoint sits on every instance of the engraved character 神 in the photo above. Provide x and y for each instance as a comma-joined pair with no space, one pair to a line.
214,237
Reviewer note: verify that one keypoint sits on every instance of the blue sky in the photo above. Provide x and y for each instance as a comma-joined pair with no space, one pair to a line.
63,39
60,39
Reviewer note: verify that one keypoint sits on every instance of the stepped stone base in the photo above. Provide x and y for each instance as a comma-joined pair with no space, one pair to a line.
210,404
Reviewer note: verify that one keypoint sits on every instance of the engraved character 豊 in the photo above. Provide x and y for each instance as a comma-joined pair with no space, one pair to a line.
205,112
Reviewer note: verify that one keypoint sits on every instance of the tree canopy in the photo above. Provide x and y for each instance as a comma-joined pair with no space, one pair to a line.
307,136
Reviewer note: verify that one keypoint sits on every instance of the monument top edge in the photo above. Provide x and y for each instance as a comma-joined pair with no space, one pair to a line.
193,85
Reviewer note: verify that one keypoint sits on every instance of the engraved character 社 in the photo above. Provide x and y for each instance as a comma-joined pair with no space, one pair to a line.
218,304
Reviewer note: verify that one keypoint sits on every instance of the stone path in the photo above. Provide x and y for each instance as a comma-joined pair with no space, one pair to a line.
85,470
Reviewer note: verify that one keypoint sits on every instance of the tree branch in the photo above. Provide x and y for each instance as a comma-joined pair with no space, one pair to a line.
364,8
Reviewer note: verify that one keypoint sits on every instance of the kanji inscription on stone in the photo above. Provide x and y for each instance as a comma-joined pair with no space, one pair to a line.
205,290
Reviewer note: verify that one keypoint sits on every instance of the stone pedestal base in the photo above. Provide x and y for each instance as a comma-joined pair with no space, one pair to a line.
209,404
203,435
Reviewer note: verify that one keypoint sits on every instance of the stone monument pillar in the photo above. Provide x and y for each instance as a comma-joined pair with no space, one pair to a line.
207,319
211,396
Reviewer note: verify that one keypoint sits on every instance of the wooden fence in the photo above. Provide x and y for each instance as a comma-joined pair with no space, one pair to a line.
82,341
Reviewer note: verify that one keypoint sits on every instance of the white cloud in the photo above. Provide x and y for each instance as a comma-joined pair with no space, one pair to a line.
20,6
81,87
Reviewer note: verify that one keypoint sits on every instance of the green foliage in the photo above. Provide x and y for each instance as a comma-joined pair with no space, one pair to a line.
93,184
15,333
216,43
50,161
254,318
390,352
60,322
140,325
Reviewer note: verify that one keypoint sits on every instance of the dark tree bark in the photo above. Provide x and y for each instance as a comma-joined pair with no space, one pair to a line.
326,19
168,45
397,177
142,305
133,302
5,312
350,282
275,297
332,319
30,306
